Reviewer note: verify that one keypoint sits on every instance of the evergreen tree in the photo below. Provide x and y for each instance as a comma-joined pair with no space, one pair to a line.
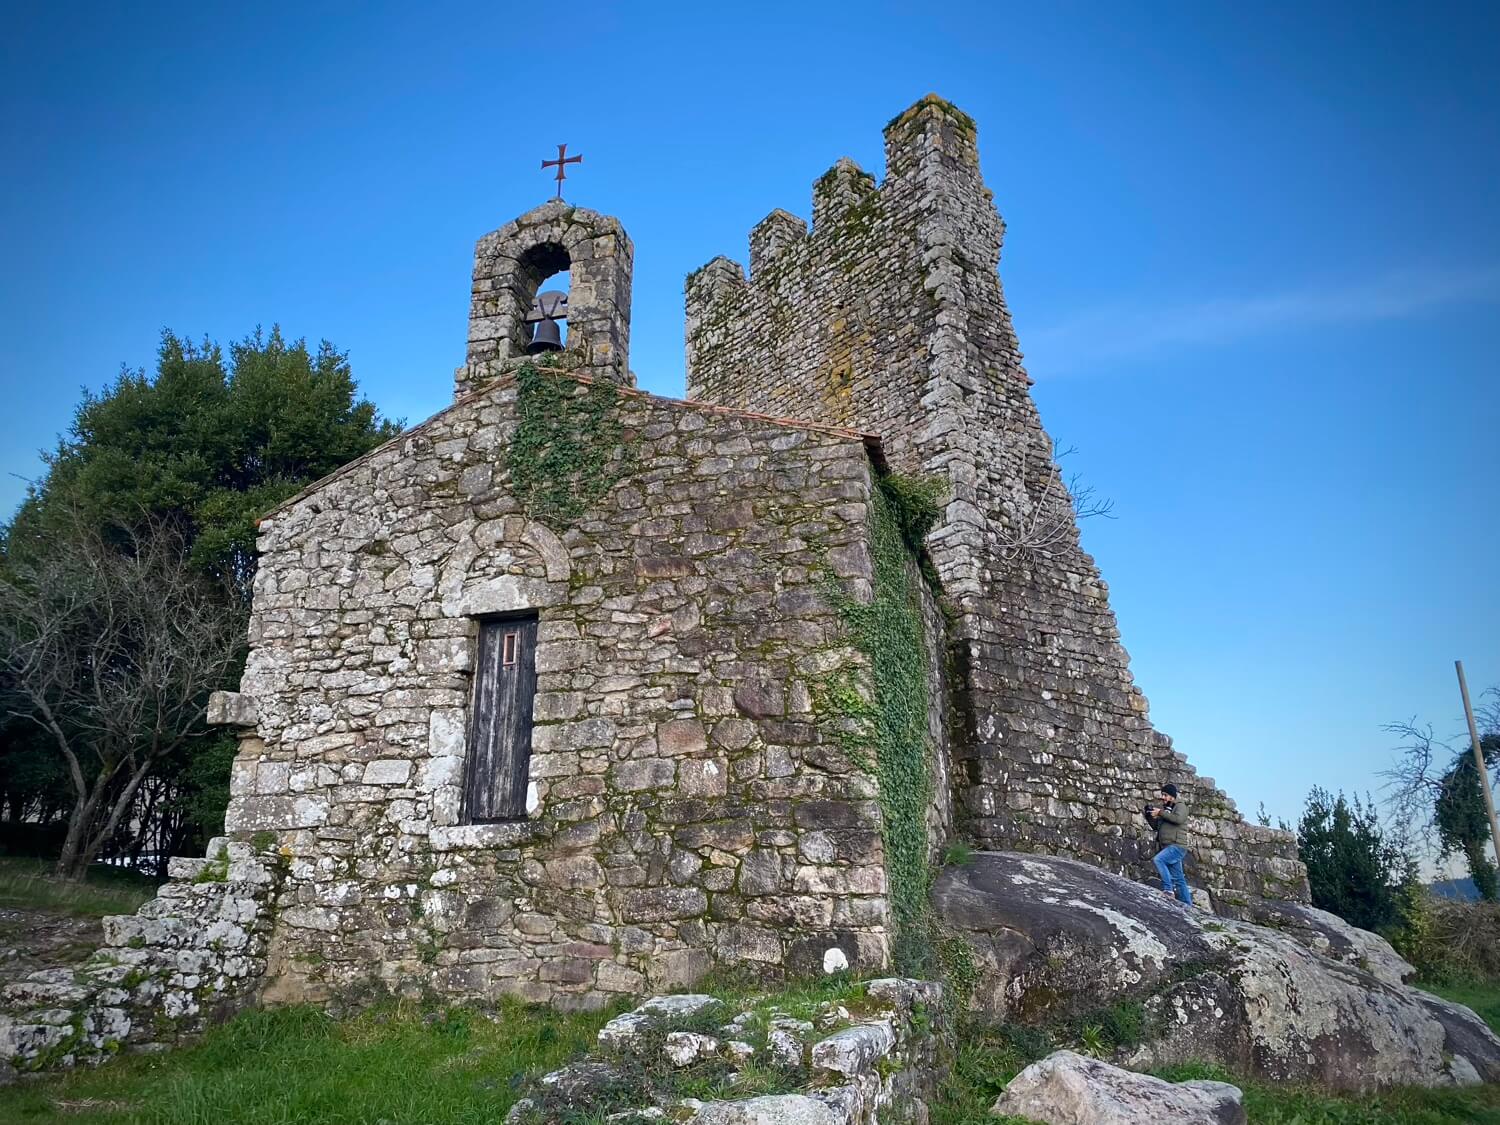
1351,868
1463,823
206,445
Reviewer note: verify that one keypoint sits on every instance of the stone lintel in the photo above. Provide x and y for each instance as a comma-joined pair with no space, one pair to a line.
231,709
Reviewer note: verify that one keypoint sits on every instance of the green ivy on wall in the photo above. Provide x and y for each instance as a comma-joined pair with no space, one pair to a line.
568,449
889,631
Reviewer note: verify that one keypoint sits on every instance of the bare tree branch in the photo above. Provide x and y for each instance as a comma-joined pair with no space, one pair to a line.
114,648
1043,520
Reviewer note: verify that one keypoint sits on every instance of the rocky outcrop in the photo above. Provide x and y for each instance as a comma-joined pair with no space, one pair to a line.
1325,933
1067,1088
874,1054
191,955
1054,939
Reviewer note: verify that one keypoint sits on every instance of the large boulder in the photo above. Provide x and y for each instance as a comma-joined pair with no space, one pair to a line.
1067,1088
1327,934
1055,939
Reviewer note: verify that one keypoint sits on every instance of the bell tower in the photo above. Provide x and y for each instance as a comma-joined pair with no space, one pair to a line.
506,317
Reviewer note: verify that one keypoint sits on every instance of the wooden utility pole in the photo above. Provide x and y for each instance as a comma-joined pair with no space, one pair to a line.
1484,774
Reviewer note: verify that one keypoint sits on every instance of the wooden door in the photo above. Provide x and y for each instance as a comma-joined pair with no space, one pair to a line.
500,720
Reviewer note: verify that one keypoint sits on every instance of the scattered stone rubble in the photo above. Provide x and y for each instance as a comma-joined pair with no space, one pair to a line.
189,956
876,1052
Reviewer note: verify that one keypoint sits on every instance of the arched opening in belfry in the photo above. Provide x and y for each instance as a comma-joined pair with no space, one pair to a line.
542,285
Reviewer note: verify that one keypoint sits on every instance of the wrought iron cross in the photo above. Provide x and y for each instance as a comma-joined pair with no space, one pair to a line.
562,161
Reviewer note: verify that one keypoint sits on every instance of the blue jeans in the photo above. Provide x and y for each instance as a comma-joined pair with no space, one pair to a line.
1169,866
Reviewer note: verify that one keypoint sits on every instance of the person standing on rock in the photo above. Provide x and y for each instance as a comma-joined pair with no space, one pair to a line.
1168,819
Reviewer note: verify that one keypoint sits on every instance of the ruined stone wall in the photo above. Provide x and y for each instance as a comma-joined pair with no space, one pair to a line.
889,317
194,954
875,1055
687,807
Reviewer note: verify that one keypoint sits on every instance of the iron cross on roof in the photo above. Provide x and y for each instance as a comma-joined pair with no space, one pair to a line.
562,161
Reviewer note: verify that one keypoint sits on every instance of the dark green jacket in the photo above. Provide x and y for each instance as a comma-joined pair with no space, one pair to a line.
1171,824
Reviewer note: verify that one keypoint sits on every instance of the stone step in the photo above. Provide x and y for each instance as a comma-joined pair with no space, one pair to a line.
45,989
134,932
186,868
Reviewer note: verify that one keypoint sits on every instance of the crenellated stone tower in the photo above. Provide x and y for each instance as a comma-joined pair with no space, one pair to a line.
888,317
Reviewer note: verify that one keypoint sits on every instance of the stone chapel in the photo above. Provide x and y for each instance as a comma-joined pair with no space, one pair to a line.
573,690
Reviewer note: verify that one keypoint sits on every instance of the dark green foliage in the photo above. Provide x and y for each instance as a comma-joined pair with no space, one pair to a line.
34,787
1461,818
208,443
915,503
568,448
197,451
1352,869
889,632
1449,942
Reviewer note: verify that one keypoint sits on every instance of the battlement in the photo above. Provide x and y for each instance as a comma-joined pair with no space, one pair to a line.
887,316
932,145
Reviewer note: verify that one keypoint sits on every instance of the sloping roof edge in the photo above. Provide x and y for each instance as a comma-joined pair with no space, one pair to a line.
871,442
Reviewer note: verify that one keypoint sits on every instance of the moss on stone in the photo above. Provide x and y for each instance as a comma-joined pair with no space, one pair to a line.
216,870
567,450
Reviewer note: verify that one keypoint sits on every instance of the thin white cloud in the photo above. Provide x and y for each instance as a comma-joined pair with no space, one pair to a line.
1131,330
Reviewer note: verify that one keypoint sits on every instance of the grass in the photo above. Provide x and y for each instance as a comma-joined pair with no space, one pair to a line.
28,884
798,999
401,1064
1483,998
395,1064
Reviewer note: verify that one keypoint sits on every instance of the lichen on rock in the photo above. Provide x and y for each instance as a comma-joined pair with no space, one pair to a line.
1055,939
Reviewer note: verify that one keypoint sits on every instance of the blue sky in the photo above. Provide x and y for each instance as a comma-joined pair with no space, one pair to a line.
1252,257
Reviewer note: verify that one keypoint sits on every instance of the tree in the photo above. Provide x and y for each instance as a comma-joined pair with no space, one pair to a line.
1437,784
194,453
1463,823
112,652
207,445
1352,869
1047,521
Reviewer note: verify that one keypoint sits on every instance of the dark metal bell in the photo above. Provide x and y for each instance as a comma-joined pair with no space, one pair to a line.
547,338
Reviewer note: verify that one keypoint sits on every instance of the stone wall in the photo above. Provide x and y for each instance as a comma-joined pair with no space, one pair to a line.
688,808
888,317
193,954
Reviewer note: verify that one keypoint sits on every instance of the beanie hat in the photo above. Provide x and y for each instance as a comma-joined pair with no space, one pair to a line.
1169,789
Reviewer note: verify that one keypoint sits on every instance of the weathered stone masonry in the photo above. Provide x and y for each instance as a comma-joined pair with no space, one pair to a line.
687,807
702,790
889,317
193,954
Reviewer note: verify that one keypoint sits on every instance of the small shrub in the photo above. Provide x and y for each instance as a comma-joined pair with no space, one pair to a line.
916,502
1460,941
